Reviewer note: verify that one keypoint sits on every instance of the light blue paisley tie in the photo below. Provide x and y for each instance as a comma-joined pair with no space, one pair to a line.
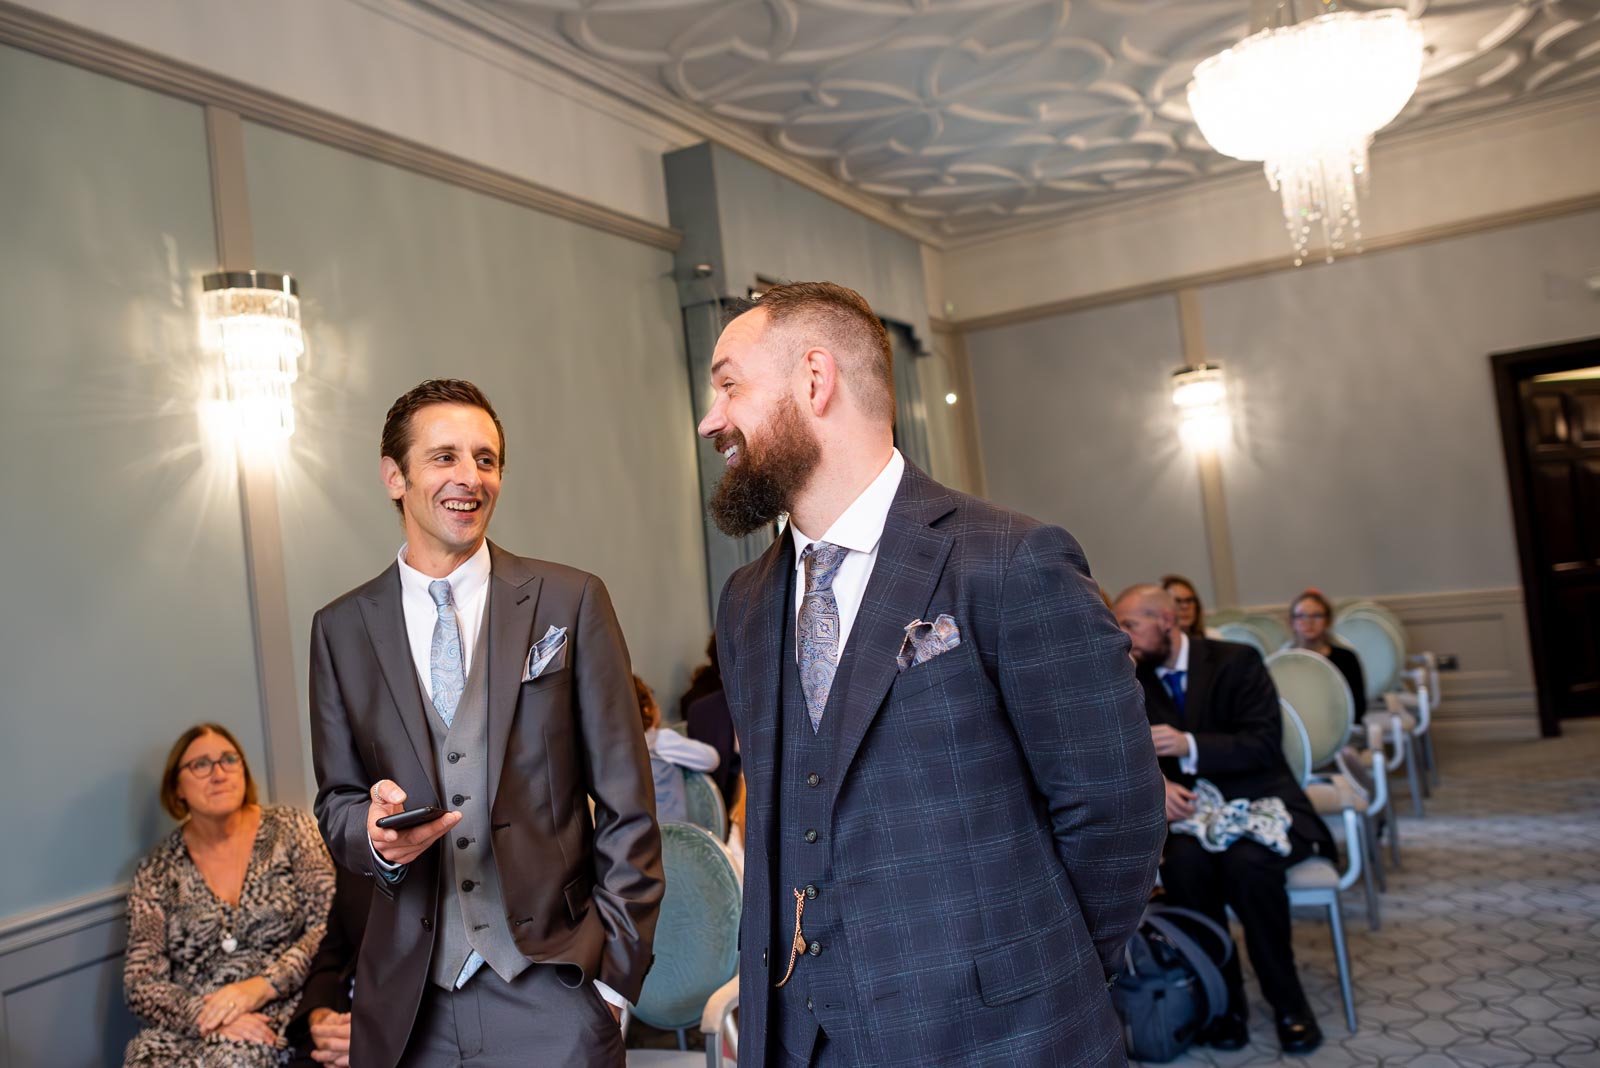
445,670
817,633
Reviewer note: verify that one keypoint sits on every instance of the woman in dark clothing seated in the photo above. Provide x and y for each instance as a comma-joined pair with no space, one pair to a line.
1310,617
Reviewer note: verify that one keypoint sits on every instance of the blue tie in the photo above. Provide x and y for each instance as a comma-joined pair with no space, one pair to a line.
818,630
1174,681
445,669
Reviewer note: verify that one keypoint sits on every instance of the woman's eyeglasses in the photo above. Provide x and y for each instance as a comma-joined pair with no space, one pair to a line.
200,767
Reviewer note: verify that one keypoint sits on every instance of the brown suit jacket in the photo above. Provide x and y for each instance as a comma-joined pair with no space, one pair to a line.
582,894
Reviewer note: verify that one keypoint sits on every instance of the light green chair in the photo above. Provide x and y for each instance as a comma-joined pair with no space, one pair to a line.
1271,629
1379,643
1316,881
694,981
1244,633
705,805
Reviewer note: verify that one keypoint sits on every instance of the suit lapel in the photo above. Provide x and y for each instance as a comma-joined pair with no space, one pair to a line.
1197,691
513,596
385,618
911,558
761,672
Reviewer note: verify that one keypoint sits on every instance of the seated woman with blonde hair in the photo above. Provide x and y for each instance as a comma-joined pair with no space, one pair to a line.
224,915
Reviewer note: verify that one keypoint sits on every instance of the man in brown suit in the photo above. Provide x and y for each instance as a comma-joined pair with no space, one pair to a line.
497,688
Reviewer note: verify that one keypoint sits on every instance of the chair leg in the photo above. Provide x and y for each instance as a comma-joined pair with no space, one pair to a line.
1370,879
1414,779
1342,959
1392,817
1433,763
1369,828
683,1039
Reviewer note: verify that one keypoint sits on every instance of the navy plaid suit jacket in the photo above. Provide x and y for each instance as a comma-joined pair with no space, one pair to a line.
997,813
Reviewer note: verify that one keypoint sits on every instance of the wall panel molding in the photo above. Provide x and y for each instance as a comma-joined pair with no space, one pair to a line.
59,40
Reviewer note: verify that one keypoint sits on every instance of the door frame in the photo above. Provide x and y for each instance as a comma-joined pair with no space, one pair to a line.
1510,370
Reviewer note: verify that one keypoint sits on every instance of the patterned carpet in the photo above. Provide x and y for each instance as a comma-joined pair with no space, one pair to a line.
1489,952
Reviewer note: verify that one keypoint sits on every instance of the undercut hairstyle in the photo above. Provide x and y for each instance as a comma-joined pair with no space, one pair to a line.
176,807
830,316
397,430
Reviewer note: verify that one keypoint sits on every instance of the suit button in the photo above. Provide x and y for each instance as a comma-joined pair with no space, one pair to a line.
813,779
815,949
763,954
457,800
453,757
811,892
810,835
461,843
808,1004
467,885
427,924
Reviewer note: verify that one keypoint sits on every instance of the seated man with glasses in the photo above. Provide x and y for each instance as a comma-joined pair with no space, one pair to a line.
224,914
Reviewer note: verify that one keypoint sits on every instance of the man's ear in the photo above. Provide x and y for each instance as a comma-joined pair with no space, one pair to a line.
394,480
822,379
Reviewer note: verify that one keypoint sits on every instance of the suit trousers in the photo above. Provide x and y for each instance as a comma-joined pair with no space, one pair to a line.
533,1020
1251,879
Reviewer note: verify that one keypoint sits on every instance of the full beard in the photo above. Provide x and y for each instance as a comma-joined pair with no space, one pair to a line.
761,484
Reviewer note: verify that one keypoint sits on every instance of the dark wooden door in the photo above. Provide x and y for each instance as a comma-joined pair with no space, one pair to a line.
1550,420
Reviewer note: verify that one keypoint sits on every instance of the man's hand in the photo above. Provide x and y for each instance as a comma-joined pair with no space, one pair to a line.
226,1004
250,1027
401,847
330,1034
1180,802
1169,741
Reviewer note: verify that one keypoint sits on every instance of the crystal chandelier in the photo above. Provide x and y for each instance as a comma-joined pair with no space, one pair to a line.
1306,99
251,319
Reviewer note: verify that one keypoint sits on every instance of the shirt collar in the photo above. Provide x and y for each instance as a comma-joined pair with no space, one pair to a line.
860,528
466,581
1182,663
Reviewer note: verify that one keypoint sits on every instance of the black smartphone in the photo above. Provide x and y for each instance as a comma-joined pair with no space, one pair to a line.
410,818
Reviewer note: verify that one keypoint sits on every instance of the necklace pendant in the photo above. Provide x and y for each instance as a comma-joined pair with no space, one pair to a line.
229,944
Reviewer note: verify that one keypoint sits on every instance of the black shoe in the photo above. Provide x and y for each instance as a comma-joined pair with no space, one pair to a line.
1228,1031
1298,1032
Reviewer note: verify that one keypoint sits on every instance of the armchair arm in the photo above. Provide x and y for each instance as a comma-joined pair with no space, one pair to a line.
717,1023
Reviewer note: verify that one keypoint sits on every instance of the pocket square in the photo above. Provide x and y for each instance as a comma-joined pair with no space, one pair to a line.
924,641
547,654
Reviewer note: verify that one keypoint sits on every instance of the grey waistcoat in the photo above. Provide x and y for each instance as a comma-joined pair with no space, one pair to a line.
474,912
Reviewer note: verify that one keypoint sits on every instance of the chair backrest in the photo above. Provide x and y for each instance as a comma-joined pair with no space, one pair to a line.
705,805
1223,615
1379,647
1372,608
1245,634
1319,695
1270,628
1296,743
697,935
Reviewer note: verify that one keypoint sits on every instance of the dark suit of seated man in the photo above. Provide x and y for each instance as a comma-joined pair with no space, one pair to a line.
319,1033
1214,715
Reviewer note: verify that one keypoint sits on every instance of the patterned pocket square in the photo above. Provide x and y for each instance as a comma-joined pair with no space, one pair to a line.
548,654
924,641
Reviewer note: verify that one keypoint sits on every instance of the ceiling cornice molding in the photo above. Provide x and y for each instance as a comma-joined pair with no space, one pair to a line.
1159,287
621,84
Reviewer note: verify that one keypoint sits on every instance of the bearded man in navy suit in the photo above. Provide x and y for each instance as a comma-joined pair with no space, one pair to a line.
955,811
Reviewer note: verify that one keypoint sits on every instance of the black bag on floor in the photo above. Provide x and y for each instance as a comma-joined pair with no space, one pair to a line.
1170,987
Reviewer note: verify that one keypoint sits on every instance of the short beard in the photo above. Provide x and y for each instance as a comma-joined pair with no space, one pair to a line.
763,484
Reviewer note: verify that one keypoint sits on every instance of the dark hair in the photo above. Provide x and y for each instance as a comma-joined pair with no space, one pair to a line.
1199,628
1312,594
397,431
707,678
840,320
176,807
649,711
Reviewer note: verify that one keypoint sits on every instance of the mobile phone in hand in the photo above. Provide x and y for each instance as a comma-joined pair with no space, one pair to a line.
410,818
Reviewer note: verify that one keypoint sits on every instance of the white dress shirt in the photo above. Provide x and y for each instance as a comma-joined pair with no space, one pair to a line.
859,529
469,592
1185,764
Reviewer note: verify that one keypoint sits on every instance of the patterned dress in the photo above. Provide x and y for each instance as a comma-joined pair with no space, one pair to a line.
175,930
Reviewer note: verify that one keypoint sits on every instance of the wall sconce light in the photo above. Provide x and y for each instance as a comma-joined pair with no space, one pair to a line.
1200,395
950,398
251,319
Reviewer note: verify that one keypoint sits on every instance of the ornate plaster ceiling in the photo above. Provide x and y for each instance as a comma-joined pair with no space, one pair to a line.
977,115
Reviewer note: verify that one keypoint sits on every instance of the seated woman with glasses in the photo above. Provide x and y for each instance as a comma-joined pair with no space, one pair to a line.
224,915
1191,613
1310,617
